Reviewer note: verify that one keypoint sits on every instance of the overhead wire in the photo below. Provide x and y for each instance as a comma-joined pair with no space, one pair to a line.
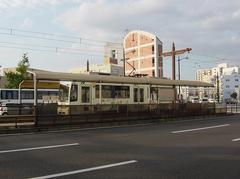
56,48
51,51
80,40
77,40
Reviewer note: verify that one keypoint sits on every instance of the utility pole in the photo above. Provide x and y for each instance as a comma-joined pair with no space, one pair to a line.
173,62
87,66
218,95
173,53
179,91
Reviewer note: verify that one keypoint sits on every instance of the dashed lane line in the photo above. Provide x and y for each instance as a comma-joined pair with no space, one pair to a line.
202,128
38,148
85,170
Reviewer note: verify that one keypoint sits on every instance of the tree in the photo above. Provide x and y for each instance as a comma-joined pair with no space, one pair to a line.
234,95
15,78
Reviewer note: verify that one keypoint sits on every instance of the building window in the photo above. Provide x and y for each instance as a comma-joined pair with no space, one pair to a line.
153,51
153,73
227,86
113,54
236,86
236,80
153,62
227,80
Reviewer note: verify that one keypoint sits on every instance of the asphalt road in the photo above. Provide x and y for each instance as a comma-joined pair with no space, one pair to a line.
192,149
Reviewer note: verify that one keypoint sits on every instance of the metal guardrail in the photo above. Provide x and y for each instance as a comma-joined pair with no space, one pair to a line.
233,108
54,115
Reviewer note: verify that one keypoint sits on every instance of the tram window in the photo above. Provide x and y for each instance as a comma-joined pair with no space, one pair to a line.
121,91
106,91
63,93
97,91
141,94
53,93
3,94
85,94
154,94
27,94
115,91
45,93
9,94
40,94
74,93
135,95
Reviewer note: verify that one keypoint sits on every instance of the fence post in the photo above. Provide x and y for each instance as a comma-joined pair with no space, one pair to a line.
36,115
16,126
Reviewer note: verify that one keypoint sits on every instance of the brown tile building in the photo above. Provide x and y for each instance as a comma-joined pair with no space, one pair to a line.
143,54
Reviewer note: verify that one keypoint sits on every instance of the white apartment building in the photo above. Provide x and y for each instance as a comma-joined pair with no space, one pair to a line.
209,75
228,85
226,75
104,69
113,53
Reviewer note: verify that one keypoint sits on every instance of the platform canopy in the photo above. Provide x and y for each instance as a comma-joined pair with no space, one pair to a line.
60,76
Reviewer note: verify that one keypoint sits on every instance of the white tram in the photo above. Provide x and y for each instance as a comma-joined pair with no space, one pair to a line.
13,96
91,93
86,90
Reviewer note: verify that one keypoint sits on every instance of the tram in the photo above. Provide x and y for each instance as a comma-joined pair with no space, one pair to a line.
102,90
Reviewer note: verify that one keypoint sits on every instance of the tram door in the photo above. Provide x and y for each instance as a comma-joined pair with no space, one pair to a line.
86,95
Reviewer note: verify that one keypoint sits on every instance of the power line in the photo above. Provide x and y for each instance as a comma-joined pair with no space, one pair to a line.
216,58
56,48
51,51
12,31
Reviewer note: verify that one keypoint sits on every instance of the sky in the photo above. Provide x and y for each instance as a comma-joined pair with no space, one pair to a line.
72,31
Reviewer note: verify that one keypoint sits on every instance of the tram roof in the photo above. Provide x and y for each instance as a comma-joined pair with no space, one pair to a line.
60,76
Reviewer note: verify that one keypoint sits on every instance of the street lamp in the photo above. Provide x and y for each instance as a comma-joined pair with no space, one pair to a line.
180,59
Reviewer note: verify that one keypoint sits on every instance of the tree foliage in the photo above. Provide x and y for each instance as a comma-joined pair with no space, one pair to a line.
234,95
15,78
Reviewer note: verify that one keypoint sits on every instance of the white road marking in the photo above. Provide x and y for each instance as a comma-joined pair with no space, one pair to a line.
38,148
235,140
85,170
202,128
73,130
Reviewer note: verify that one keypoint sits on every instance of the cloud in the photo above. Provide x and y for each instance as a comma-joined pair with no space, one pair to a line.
10,4
27,23
104,18
209,27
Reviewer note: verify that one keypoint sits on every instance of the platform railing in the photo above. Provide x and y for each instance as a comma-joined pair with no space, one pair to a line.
19,116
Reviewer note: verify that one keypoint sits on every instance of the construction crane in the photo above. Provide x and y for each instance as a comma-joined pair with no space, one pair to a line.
173,53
